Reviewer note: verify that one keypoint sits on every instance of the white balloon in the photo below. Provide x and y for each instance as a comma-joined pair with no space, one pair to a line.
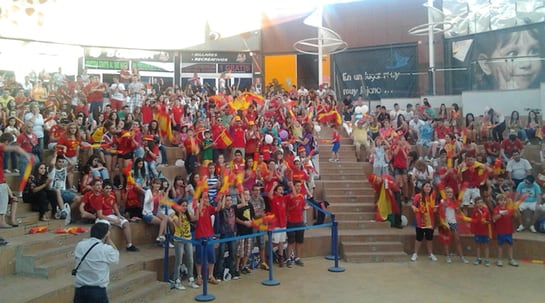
317,128
404,221
359,109
365,109
268,139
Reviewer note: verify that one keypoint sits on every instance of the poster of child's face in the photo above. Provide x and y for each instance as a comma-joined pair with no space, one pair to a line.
508,60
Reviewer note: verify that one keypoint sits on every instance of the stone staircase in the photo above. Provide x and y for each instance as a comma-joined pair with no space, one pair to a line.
351,199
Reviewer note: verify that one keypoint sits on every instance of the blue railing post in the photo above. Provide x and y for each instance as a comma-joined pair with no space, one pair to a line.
335,246
270,281
205,297
165,244
332,255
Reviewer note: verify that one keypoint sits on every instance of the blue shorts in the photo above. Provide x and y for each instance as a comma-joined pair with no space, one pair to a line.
148,218
68,196
210,253
481,239
336,147
502,239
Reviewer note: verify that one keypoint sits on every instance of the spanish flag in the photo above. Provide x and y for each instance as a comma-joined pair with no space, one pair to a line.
164,125
26,174
224,137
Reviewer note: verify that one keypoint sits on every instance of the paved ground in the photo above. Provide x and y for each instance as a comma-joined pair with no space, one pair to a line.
421,281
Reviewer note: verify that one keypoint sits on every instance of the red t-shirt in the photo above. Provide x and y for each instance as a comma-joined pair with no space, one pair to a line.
336,137
155,151
177,114
441,132
108,204
237,135
480,215
509,146
147,114
295,206
216,132
491,146
26,141
94,96
204,224
93,202
400,160
191,147
71,146
503,225
278,208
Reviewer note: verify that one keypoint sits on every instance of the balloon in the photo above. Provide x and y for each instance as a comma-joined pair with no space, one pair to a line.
359,109
268,139
365,109
317,128
283,134
404,221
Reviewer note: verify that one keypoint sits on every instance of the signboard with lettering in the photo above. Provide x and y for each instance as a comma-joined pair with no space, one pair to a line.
244,68
198,68
389,72
105,64
216,57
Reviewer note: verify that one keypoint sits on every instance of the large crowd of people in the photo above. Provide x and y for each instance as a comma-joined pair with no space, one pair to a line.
107,155
246,154
444,165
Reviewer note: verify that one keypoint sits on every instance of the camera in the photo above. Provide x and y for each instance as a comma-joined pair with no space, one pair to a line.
74,272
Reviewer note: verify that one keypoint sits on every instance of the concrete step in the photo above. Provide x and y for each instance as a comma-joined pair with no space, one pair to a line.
363,190
151,291
345,175
130,283
345,184
54,268
337,207
172,171
386,246
34,244
333,172
362,224
354,216
42,257
376,257
351,198
376,235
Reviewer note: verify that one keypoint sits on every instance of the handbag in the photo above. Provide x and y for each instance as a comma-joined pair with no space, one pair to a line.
75,270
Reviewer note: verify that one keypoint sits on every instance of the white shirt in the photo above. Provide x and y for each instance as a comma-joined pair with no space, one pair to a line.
95,268
518,170
59,178
117,90
37,124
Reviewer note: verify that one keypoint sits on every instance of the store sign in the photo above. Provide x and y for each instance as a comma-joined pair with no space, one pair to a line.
105,64
388,72
235,68
216,57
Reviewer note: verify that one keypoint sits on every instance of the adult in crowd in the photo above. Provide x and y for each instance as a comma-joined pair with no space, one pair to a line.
93,258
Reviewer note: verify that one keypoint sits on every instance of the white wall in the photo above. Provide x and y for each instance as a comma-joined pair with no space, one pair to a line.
435,101
475,101
503,101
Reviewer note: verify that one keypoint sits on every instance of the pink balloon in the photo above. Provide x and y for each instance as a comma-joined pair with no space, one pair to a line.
283,134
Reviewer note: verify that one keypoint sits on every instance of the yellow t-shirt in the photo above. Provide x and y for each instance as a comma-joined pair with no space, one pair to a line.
184,230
